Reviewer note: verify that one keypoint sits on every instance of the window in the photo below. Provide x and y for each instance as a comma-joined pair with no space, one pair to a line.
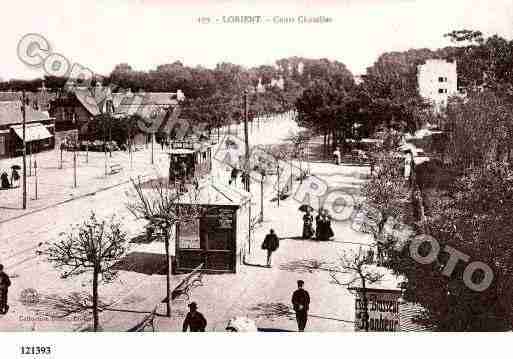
442,79
442,90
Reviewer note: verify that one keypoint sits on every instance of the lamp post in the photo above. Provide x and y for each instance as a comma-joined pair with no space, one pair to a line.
246,140
23,113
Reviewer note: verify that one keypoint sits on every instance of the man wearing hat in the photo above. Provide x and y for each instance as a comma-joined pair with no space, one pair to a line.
194,320
271,243
301,304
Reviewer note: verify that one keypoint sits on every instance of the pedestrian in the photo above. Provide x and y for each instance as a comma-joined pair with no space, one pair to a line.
5,180
194,320
245,178
15,177
301,305
327,223
308,231
337,156
183,169
5,283
318,225
271,243
233,175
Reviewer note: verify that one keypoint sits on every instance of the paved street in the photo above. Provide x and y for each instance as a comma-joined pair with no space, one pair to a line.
255,291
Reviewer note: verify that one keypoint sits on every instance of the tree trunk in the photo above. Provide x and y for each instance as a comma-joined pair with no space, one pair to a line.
96,273
168,276
324,149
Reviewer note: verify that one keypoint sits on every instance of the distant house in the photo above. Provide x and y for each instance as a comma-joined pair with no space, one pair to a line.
145,104
437,81
38,100
39,129
77,106
279,83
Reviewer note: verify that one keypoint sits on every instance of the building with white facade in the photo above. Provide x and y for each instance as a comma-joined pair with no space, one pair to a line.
437,81
280,83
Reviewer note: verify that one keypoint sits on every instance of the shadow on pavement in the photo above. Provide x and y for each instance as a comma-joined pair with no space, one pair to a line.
274,330
272,310
142,239
141,262
255,265
308,266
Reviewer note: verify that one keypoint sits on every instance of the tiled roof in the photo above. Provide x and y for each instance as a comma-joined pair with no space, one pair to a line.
86,98
146,104
94,100
31,96
144,98
10,113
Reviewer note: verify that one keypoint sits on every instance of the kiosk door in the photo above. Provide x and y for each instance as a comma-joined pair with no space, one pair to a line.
211,242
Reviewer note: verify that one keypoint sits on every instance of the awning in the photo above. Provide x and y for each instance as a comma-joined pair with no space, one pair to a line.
33,132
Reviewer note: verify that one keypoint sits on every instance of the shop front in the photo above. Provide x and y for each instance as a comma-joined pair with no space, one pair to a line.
37,137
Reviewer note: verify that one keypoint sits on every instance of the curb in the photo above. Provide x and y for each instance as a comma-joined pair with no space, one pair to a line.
53,205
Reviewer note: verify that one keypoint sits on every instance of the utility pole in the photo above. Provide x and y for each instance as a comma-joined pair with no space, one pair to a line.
24,153
75,168
35,170
246,140
30,160
278,185
130,142
104,144
262,173
110,136
249,226
152,141
60,163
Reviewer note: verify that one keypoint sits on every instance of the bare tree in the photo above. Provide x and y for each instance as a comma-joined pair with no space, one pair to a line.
164,205
359,265
301,142
94,246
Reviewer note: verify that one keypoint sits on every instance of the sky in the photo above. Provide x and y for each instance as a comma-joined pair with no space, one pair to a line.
99,34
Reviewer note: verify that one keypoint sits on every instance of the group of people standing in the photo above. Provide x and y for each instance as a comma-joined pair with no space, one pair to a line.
4,178
323,230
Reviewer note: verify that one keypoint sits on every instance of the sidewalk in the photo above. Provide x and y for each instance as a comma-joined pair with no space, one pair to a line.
255,291
264,294
56,185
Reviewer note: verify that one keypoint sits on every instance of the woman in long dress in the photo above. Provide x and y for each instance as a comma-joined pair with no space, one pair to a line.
327,223
318,226
308,231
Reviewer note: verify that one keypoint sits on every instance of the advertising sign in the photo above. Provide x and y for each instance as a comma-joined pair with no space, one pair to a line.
383,310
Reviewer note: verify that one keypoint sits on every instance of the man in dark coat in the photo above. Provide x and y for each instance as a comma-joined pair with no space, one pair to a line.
301,304
5,283
271,243
194,320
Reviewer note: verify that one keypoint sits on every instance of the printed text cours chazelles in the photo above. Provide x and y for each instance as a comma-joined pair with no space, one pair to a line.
275,19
